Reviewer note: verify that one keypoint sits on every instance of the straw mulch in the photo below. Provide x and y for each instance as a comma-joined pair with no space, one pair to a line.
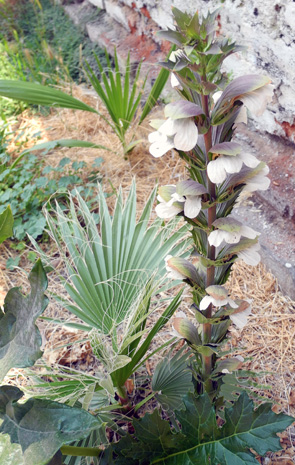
267,342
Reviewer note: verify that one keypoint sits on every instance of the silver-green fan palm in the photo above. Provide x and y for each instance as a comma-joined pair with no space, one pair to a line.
109,268
114,274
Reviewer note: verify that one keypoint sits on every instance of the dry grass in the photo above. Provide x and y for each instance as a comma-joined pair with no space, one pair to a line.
268,339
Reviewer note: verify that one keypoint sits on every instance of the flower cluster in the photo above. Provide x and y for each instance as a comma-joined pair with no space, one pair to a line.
201,128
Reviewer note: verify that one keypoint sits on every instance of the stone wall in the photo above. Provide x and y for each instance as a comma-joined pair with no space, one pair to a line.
266,27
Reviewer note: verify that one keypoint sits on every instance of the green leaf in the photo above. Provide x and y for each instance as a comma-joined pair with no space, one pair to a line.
40,95
173,36
47,146
97,162
40,426
155,93
20,339
172,380
10,454
119,97
108,271
201,440
12,262
6,224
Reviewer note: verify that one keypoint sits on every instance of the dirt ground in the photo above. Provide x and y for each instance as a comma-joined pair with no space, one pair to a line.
267,342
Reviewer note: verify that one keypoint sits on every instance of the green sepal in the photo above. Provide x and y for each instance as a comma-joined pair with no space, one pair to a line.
201,319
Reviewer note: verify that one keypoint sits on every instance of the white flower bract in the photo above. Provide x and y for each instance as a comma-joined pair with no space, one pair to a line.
175,82
181,134
207,300
174,203
240,319
250,255
232,236
217,169
258,182
257,99
167,210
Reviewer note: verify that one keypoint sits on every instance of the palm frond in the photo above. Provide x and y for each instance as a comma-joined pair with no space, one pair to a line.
108,268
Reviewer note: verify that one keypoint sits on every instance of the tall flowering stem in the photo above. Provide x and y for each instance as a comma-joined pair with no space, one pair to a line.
207,327
200,127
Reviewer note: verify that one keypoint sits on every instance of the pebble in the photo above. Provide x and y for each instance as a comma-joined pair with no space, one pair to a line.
288,265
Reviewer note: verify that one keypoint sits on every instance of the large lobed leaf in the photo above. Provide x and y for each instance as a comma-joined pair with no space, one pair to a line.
40,427
10,454
20,339
201,440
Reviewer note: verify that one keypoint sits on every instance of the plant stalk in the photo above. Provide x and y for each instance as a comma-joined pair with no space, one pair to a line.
81,451
122,393
207,327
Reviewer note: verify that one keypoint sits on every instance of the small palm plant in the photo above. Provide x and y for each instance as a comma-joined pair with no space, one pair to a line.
113,277
122,95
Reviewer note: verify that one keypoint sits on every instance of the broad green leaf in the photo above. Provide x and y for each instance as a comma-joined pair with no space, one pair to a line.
40,426
66,143
6,224
40,95
10,454
120,361
201,440
12,262
20,339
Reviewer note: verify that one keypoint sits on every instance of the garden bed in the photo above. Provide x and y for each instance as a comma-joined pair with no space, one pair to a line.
267,342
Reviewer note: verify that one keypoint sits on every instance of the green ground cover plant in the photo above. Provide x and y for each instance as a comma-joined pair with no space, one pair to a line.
27,183
113,281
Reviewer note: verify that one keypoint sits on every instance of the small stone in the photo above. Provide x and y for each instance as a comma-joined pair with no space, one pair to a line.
288,265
